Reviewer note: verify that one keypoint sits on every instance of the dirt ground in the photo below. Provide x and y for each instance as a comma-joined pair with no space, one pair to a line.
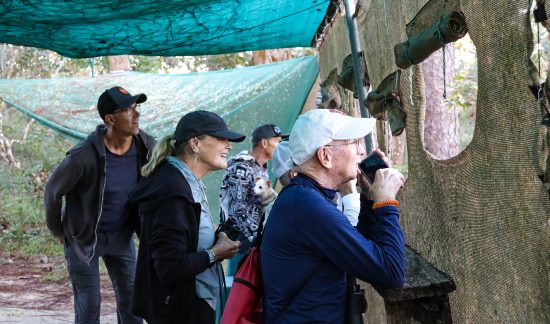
26,296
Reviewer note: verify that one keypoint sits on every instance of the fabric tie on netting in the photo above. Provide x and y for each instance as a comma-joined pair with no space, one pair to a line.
419,47
245,98
346,79
384,103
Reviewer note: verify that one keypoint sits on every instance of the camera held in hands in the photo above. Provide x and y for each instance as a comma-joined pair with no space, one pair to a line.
229,227
371,164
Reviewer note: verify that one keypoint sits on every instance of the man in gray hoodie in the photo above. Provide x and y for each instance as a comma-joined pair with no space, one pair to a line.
86,202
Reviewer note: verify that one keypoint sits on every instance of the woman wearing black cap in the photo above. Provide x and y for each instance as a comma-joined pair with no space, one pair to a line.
178,274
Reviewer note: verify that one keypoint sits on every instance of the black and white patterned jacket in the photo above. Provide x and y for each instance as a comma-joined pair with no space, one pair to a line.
237,197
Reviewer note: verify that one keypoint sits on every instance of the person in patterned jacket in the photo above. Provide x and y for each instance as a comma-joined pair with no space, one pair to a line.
237,198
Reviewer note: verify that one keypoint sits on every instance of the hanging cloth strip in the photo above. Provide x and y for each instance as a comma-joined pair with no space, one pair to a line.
385,103
419,47
345,78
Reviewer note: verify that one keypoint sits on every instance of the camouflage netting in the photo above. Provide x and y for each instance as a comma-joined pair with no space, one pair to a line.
482,215
246,98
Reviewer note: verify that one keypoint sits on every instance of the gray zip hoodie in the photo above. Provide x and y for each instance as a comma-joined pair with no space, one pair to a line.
80,179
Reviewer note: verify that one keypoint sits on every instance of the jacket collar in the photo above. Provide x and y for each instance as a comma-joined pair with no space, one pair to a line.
97,139
308,182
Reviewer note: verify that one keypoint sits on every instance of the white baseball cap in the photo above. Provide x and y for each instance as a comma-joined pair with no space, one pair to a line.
281,161
316,128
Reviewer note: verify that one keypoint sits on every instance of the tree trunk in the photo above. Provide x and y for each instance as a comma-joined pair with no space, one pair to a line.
271,56
119,63
398,146
260,57
8,60
6,153
441,137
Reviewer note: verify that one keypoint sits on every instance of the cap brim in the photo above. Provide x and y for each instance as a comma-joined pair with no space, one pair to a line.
355,128
140,98
285,136
230,135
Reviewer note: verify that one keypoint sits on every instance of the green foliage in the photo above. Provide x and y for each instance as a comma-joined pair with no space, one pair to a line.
30,62
186,64
22,219
58,274
148,64
464,93
224,61
21,207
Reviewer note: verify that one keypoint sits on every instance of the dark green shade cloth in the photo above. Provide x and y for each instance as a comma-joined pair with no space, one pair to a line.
77,28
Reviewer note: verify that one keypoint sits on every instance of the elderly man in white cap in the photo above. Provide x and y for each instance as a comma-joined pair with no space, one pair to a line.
308,244
347,197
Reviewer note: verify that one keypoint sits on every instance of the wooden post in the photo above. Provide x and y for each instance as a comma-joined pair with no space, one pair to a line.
424,298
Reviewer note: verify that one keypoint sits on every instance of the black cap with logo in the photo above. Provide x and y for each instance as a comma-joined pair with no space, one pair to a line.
267,131
116,98
204,122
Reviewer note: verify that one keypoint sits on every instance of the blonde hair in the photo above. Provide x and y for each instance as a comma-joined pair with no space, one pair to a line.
164,148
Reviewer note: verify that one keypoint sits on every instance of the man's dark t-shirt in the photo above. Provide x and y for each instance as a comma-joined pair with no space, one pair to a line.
121,175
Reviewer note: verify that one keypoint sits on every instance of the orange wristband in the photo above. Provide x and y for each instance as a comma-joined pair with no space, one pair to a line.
384,203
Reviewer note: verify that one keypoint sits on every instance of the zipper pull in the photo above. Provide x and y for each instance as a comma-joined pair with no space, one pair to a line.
167,300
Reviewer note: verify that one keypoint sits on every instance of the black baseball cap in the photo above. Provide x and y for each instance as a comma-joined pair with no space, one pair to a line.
267,131
116,98
204,122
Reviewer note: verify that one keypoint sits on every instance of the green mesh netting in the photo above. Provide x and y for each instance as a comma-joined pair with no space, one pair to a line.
78,28
482,215
246,98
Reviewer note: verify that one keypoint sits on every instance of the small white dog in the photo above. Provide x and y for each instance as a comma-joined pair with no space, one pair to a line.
263,189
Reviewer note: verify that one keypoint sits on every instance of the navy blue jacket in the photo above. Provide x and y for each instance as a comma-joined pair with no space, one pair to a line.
309,245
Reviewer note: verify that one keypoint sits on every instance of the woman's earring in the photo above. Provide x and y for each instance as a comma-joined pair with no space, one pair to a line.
196,151
196,156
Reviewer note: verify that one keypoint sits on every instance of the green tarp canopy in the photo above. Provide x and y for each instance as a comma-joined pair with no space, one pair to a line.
78,29
246,97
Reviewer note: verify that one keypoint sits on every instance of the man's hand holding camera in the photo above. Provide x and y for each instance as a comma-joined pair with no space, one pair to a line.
386,184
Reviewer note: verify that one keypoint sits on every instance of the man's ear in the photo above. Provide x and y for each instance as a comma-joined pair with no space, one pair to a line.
264,142
109,119
324,157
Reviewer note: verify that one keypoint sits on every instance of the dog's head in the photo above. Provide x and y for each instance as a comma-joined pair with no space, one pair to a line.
262,188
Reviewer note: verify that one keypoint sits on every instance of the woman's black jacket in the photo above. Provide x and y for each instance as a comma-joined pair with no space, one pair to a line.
164,289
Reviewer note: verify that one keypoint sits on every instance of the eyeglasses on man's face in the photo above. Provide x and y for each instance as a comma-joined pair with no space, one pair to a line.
356,141
130,111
